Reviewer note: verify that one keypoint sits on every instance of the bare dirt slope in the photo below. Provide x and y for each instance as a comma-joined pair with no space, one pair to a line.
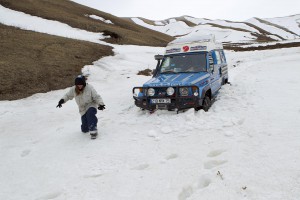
32,62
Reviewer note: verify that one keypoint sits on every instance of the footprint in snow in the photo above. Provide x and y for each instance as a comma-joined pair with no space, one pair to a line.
227,124
215,153
59,128
213,163
52,195
241,121
166,130
141,167
171,156
93,176
186,193
153,134
203,182
229,133
25,152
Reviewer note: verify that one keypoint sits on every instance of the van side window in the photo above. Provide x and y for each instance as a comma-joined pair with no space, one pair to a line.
211,62
218,57
222,56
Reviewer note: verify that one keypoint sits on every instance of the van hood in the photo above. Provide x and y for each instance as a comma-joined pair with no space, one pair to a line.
180,79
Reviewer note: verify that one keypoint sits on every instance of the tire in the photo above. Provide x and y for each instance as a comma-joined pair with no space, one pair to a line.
206,103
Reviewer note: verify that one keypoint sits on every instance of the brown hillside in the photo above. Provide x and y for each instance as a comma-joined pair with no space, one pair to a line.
32,62
238,47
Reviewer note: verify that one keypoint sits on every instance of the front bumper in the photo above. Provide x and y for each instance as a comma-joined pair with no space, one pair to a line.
175,102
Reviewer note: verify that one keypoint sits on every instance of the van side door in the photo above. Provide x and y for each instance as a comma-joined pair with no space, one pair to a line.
215,79
224,67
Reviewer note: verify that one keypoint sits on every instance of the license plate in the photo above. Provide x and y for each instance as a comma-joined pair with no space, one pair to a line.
160,100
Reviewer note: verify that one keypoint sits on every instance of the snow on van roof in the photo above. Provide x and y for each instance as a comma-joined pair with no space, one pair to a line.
193,44
194,38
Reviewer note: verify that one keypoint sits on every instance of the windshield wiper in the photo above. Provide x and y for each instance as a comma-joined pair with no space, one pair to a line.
169,72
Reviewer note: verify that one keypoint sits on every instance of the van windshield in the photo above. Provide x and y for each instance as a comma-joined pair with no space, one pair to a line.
182,63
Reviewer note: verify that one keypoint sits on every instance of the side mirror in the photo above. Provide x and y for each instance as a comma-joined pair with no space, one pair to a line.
158,57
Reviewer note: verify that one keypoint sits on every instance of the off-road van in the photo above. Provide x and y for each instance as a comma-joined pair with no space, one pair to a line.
188,75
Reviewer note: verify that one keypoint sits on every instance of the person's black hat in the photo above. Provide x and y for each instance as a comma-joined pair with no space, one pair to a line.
80,80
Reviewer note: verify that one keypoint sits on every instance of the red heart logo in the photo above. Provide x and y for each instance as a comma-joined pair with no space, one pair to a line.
186,48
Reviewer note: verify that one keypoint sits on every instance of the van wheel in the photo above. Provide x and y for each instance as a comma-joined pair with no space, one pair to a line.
206,103
223,82
197,108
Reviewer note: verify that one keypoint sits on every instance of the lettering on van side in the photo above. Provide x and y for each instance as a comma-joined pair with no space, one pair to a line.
174,50
197,48
167,84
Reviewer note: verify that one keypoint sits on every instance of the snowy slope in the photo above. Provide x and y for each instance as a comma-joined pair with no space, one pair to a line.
272,29
291,22
237,25
285,28
174,28
222,35
245,147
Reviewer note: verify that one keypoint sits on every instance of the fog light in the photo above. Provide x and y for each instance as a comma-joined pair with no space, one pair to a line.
183,91
151,92
170,91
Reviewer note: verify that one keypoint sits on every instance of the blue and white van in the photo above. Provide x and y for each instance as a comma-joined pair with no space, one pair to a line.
188,75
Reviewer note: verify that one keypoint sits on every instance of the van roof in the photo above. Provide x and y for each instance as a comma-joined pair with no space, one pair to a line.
193,44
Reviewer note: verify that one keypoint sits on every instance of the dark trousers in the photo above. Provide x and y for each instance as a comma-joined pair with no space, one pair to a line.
89,120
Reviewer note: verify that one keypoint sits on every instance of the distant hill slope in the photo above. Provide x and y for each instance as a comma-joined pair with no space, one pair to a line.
251,31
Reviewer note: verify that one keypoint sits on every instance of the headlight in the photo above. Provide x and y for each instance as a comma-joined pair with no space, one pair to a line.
183,91
151,92
195,91
137,92
170,91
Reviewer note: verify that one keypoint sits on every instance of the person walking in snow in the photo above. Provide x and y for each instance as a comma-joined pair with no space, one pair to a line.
88,100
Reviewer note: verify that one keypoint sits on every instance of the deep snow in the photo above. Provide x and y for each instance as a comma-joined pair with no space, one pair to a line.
246,146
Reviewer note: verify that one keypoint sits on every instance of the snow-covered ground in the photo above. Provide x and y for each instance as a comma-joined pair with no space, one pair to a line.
246,146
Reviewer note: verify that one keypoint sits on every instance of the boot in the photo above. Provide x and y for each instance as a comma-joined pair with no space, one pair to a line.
93,134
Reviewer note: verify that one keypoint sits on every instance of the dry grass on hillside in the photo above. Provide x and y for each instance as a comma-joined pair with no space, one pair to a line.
189,23
238,47
33,62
